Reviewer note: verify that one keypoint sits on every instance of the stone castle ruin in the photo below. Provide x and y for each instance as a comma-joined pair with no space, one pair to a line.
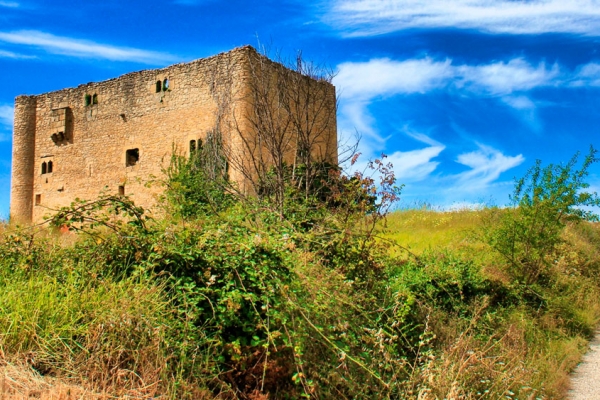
115,136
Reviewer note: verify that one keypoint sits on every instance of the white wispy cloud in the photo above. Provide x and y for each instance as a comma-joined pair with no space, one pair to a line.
409,166
481,183
505,77
6,122
587,75
381,77
9,4
10,54
416,165
526,110
519,102
365,80
486,164
375,17
6,116
84,48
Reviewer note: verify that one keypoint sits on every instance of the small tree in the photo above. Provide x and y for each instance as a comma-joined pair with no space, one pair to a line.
543,201
280,123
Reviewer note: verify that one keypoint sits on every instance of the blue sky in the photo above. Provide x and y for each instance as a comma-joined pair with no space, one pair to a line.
461,95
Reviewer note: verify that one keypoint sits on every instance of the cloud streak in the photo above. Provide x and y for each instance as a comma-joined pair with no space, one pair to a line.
81,48
385,77
416,165
16,56
587,75
486,164
9,4
6,116
6,122
409,166
376,17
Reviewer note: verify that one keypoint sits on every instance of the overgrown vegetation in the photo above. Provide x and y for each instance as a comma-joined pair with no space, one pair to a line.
312,298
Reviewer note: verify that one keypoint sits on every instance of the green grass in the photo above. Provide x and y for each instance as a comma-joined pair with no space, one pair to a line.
424,230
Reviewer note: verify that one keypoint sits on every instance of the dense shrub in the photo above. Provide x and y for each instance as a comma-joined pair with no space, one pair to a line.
253,300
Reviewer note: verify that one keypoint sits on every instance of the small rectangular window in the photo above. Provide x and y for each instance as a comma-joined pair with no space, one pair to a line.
132,156
122,190
38,199
192,146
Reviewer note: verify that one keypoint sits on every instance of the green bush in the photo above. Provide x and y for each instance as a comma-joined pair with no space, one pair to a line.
543,201
199,184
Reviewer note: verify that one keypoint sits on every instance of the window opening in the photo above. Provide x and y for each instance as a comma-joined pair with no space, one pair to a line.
121,190
166,84
158,86
88,99
132,156
44,166
49,167
192,146
38,199
95,99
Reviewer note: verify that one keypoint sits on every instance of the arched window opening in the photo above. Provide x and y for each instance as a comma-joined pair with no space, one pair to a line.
44,168
49,167
122,190
158,86
95,99
88,99
199,143
192,146
166,84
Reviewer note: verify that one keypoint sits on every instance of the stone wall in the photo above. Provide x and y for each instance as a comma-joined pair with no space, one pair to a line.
117,136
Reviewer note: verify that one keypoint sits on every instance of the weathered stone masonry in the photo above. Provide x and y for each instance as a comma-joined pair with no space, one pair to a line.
115,136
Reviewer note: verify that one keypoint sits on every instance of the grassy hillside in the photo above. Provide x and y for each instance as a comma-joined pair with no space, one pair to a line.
321,297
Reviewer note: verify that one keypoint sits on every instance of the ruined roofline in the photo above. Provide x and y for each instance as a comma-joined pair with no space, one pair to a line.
241,49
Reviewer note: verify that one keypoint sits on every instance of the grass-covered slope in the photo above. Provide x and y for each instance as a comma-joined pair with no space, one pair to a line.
319,297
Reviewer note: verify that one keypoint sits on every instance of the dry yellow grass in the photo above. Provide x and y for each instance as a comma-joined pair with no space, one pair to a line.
18,382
